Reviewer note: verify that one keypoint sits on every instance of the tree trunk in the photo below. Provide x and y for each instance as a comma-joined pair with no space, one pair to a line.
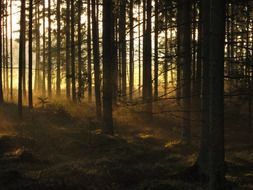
156,50
1,63
203,158
44,51
89,52
80,81
147,76
179,32
37,83
49,69
68,49
184,10
116,62
30,76
58,58
165,66
131,50
199,52
73,65
139,48
11,55
122,44
7,51
96,59
21,57
108,41
216,101
24,73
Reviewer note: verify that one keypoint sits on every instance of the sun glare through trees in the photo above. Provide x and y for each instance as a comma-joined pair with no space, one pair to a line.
126,94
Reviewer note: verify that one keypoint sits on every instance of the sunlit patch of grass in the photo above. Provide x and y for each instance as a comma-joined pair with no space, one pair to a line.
145,135
171,144
232,178
248,174
191,159
17,152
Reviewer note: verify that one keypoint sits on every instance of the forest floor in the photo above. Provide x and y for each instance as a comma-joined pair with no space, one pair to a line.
61,147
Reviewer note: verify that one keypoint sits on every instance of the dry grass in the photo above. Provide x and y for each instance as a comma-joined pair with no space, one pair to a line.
61,147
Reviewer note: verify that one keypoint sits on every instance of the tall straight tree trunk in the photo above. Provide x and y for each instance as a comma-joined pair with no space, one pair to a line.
30,77
139,47
179,32
73,65
156,50
21,57
7,50
116,62
184,11
194,50
131,50
171,44
44,50
122,44
80,82
108,51
165,66
199,52
147,75
216,101
4,54
37,44
38,53
1,63
89,52
203,158
144,50
68,49
96,58
11,54
24,73
249,71
250,89
58,56
49,69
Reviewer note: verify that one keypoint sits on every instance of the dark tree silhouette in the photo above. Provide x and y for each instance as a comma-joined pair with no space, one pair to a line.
21,57
108,41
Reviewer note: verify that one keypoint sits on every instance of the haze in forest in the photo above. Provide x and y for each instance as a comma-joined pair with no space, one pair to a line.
126,94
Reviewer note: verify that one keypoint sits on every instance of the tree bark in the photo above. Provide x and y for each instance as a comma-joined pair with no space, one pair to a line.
11,55
58,56
96,59
108,48
1,63
68,49
203,158
216,101
122,45
80,65
44,51
73,65
30,37
184,10
49,64
89,52
147,76
156,50
131,50
21,57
